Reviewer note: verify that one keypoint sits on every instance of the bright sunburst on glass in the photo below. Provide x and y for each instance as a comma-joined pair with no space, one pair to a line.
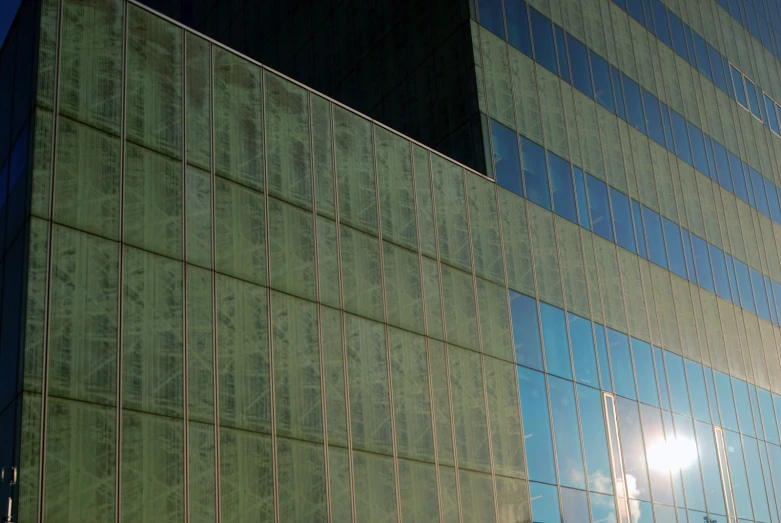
673,454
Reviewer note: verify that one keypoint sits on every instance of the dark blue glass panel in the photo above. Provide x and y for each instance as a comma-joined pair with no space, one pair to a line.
535,173
581,72
604,362
662,28
743,407
682,147
672,240
740,89
563,191
698,150
698,394
679,41
561,53
526,330
654,237
599,209
720,277
758,184
491,16
676,381
661,378
729,418
717,68
622,220
518,26
753,99
621,363
536,425
583,353
772,200
603,90
545,502
714,405
634,104
668,127
687,31
507,164
739,182
760,298
702,261
542,36
722,165
554,335
619,92
770,110
635,10
639,232
580,192
769,423
688,252
653,118
701,49
644,370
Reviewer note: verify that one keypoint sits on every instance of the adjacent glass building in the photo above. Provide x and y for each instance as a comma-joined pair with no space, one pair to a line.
227,297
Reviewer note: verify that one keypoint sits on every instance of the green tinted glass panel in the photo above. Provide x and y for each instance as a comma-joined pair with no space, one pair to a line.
333,360
292,249
460,315
355,170
200,345
361,275
202,479
494,320
301,481
402,288
240,232
433,299
466,381
477,499
439,382
418,485
397,197
322,149
483,216
451,213
198,209
339,472
424,202
246,476
328,262
505,418
198,95
375,488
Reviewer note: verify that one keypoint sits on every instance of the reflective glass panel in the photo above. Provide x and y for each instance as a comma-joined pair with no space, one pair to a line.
535,173
563,191
507,164
545,503
654,237
676,380
554,335
592,424
565,430
526,330
542,36
536,425
583,355
621,362
644,369
599,209
672,238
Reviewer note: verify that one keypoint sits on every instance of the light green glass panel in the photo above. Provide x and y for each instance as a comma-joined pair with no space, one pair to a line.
287,141
200,345
466,380
572,267
198,95
29,457
527,107
375,488
397,196
460,314
652,170
633,295
709,213
642,52
592,275
361,274
292,249
610,284
477,496
650,305
152,468
296,368
449,493
202,478
483,217
516,242
246,476
433,298
596,28
47,53
411,404
441,401
771,355
614,154
504,412
35,317
731,340
91,62
80,462
402,288
426,225
589,140
86,192
665,310
552,107
498,87
328,261
674,96
322,149
152,351
623,37
546,260
198,208
747,232
755,353
367,371
238,119
153,98
713,330
451,213
242,355
153,202
494,320
333,360
512,497
83,324
301,480
339,473
42,163
694,216
418,485
568,106
355,170
240,231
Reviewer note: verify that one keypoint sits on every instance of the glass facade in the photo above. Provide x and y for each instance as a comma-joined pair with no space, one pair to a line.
226,297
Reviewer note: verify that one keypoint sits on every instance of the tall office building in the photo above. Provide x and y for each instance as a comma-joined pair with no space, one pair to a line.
227,297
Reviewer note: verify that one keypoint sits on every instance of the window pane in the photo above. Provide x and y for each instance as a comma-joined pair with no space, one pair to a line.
672,239
604,362
491,16
639,232
644,369
603,89
653,118
720,272
355,170
770,110
753,99
682,147
599,210
622,220
592,425
760,297
743,405
603,508
561,183
661,378
575,504
740,90
621,363
580,191
702,261
676,380
689,254
536,425
632,448
737,470
698,150
583,355
561,51
554,333
526,330
759,192
535,173
653,233
545,503
565,429
506,161
634,104
655,447
722,166
581,73
697,392
542,33
518,25
744,286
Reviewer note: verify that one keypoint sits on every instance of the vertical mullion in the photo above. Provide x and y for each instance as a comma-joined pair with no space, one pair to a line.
185,374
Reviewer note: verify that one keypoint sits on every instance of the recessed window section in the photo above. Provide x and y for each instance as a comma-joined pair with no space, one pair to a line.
740,89
507,164
518,26
561,52
634,104
535,173
581,72
603,89
622,220
653,118
599,208
654,237
772,117
672,237
542,36
561,184
491,16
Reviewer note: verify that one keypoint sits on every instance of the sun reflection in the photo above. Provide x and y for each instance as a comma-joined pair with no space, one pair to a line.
673,454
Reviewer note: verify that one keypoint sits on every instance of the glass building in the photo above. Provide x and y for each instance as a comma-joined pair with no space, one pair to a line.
227,297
